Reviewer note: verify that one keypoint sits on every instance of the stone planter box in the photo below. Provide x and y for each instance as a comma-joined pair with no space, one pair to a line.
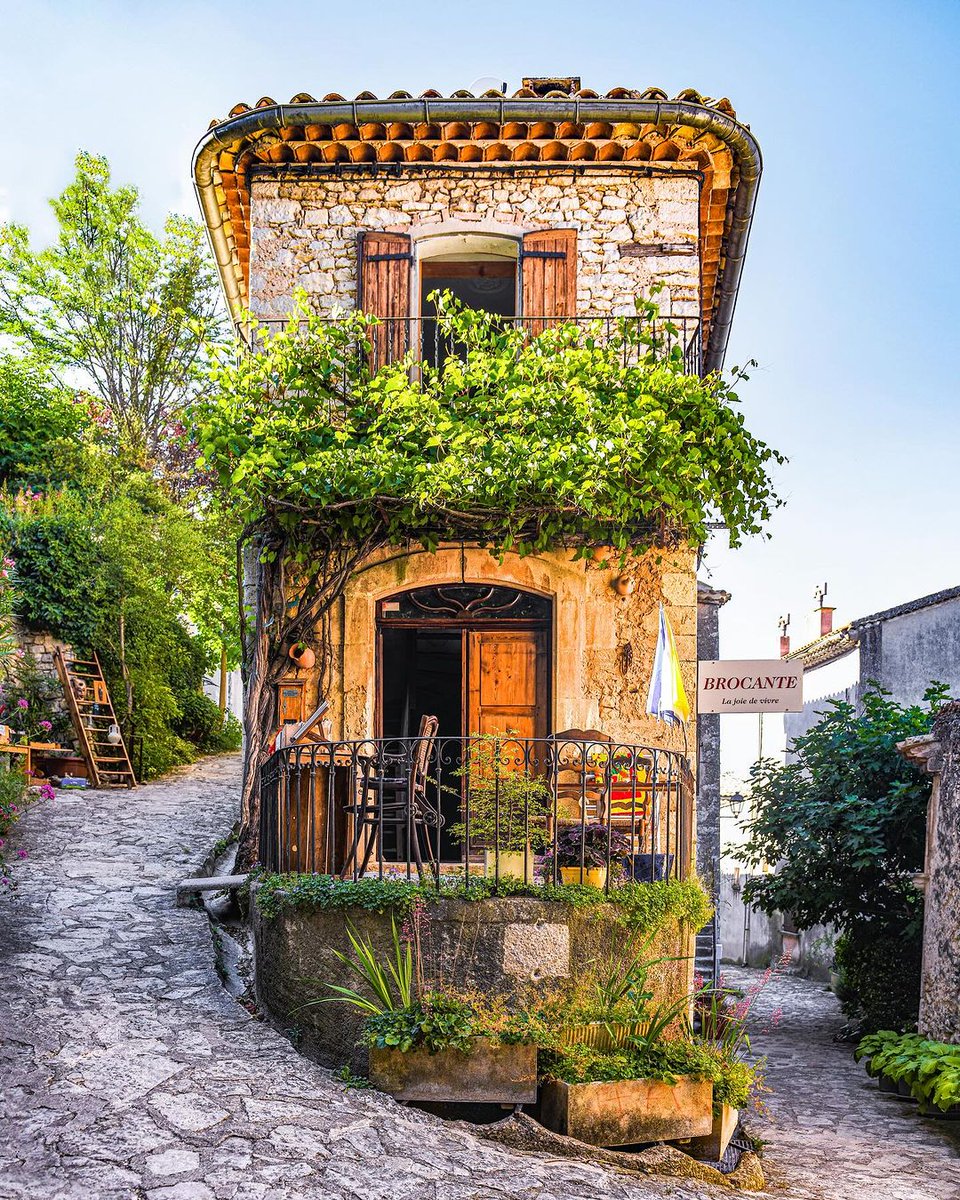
492,1073
713,1147
628,1111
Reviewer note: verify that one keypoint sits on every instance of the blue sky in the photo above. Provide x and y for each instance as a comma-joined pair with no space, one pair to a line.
849,297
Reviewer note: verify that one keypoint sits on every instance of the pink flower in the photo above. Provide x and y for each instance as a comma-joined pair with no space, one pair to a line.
46,725
22,703
21,854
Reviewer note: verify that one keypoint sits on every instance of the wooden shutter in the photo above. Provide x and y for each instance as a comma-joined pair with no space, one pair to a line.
385,292
548,261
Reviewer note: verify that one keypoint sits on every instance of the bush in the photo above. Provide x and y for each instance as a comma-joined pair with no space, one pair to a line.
202,723
879,968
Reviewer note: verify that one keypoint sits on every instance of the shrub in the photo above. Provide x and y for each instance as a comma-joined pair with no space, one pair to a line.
879,968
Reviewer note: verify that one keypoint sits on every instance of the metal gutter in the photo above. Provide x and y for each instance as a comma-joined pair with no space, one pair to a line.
742,144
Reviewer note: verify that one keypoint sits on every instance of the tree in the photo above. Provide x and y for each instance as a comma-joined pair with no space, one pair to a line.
513,443
40,427
113,310
845,824
113,563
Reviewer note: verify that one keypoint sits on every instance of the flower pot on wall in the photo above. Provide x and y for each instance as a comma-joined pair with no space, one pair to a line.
491,1073
592,876
303,656
622,1112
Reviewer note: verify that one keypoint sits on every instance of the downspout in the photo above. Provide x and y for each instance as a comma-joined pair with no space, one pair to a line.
743,145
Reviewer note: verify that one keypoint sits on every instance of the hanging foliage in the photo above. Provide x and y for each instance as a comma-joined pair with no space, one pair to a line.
573,438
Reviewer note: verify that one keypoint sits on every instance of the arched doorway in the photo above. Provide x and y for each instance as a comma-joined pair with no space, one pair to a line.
476,656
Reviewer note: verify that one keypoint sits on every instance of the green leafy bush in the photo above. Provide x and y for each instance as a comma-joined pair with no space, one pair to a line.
931,1069
846,822
879,968
201,722
435,1022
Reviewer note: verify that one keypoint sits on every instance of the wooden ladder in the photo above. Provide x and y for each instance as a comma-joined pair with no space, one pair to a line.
91,710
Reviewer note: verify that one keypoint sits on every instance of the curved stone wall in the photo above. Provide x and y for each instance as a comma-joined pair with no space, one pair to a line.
502,947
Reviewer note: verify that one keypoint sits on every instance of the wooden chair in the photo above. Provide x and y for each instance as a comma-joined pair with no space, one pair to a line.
393,792
580,773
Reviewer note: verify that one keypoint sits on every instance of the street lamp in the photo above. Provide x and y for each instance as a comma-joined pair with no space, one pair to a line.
734,803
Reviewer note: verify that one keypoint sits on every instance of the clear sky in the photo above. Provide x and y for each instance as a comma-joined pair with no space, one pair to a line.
849,297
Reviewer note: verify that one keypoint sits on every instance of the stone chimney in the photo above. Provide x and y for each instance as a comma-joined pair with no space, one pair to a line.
825,611
784,624
540,85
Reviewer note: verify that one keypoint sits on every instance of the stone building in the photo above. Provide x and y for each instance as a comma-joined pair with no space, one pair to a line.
904,649
552,204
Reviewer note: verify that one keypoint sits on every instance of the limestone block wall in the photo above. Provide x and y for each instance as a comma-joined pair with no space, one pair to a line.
603,642
508,948
304,234
939,993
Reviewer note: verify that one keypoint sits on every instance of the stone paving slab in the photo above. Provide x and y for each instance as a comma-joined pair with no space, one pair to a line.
830,1133
128,1073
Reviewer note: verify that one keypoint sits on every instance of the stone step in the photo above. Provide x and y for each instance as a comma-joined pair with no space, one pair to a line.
190,888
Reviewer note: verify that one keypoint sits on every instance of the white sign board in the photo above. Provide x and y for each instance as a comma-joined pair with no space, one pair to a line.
749,686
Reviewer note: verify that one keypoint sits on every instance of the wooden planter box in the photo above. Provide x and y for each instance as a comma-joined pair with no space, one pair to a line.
713,1147
627,1111
602,1035
492,1073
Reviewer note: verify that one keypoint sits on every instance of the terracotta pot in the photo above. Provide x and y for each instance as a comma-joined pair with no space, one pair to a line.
303,656
592,876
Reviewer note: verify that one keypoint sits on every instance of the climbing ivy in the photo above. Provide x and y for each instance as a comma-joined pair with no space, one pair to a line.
643,906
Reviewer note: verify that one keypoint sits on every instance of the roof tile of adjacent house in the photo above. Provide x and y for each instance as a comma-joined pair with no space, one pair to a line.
292,134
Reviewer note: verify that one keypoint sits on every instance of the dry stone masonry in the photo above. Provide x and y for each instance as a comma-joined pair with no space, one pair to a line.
304,235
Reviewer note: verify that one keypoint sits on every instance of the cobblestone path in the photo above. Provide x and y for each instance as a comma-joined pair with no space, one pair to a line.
831,1134
127,1071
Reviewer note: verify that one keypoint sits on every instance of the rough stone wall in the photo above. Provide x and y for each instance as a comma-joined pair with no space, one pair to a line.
304,234
709,603
42,646
940,980
496,948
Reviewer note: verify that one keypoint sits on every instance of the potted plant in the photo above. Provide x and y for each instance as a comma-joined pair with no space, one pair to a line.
507,806
582,852
617,1009
432,1046
302,655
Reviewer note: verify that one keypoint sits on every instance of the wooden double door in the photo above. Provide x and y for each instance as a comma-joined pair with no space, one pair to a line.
475,680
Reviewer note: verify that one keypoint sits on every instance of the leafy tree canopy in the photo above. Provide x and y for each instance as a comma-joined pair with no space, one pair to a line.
40,426
114,310
516,442
845,822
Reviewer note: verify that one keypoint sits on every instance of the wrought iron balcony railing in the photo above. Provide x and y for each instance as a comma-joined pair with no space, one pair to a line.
427,339
562,809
